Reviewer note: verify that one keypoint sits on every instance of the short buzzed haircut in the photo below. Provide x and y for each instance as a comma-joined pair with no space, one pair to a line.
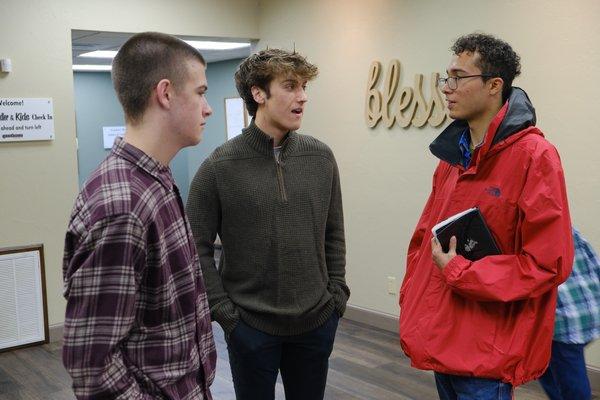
261,68
496,57
143,61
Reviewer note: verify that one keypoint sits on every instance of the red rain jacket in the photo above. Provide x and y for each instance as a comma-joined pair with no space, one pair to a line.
494,317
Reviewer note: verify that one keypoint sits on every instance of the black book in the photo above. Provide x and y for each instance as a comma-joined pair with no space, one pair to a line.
473,237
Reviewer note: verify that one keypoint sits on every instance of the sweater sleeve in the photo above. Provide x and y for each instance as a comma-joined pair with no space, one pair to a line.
545,257
204,213
335,245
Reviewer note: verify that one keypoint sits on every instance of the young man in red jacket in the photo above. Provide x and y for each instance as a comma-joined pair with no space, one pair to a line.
486,326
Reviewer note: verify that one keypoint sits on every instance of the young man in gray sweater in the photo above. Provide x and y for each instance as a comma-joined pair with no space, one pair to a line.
273,197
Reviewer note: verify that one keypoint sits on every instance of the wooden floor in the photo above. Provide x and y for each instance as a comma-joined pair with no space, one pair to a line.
366,363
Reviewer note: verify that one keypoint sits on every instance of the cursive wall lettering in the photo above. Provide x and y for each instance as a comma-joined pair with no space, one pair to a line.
411,107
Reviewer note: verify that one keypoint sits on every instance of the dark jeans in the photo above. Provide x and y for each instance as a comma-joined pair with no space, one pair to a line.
256,357
566,377
454,387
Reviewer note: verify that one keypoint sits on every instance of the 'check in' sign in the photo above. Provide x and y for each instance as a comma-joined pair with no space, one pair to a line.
26,119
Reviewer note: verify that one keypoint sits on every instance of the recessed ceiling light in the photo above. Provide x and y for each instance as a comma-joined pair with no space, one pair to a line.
100,54
208,45
92,67
198,44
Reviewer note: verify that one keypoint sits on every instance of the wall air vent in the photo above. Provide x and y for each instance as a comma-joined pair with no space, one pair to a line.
23,309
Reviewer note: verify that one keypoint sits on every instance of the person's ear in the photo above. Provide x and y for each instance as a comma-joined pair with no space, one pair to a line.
164,95
258,94
496,85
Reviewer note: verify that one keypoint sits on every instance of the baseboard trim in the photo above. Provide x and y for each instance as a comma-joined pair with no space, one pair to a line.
389,322
55,332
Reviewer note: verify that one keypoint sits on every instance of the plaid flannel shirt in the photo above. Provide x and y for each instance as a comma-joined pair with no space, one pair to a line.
578,307
137,324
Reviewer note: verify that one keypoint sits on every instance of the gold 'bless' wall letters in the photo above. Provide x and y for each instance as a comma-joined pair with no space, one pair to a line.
411,108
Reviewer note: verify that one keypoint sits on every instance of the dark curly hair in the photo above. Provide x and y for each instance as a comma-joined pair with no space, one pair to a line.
261,68
496,57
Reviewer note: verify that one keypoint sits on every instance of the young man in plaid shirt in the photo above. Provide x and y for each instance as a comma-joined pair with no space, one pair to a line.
577,324
137,324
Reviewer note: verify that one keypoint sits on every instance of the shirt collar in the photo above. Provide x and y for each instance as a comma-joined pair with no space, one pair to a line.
465,140
143,161
464,143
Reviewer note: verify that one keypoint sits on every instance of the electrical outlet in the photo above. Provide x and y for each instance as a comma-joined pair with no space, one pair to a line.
392,285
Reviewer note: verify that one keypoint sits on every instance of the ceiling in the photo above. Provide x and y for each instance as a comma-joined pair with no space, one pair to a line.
86,41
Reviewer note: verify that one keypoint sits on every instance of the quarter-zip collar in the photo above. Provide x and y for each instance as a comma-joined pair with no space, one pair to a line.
263,143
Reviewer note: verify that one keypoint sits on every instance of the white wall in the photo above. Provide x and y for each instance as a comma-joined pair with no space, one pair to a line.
386,174
38,181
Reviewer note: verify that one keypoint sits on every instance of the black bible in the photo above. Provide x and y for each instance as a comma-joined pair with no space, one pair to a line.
473,237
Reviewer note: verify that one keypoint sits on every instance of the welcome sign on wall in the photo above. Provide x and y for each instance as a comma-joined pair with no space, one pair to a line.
26,119
409,107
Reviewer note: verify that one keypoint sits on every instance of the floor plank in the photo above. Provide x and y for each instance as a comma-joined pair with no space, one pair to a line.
366,364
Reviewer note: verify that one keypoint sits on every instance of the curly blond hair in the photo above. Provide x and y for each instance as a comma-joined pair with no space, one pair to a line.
261,68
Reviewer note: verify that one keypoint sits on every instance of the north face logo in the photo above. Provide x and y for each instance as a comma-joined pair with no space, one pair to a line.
493,191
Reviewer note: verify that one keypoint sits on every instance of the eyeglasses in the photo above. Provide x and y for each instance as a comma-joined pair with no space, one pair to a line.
452,81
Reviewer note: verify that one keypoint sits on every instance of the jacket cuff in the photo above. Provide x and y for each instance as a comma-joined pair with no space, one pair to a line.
454,269
226,315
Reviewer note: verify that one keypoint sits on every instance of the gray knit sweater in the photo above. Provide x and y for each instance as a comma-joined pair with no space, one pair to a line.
281,224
